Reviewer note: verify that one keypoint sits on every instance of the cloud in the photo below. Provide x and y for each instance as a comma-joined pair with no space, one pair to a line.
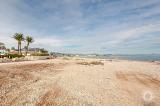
52,42
101,26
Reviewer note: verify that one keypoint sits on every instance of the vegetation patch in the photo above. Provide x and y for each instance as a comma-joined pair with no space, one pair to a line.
14,56
91,63
40,54
66,58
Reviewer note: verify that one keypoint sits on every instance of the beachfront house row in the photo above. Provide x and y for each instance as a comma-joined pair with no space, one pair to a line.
33,51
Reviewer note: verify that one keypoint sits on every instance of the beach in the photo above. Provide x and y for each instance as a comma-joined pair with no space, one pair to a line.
80,82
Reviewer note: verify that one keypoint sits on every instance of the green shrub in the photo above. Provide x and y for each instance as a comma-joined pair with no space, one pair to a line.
14,56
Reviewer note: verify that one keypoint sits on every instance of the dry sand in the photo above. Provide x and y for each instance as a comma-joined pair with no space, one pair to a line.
80,82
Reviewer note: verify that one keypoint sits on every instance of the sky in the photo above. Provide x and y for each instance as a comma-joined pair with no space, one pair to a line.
84,26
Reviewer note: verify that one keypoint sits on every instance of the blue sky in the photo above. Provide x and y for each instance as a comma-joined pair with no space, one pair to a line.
84,26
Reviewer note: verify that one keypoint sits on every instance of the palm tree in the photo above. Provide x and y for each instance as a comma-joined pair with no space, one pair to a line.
19,37
29,40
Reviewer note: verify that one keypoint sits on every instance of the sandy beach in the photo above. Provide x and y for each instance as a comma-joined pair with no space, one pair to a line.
80,82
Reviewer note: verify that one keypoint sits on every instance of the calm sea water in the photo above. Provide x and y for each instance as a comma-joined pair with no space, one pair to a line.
137,57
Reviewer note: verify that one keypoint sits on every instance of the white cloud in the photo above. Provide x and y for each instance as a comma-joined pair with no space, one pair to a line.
50,41
92,24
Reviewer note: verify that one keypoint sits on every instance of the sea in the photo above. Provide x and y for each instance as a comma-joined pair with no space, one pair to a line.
134,57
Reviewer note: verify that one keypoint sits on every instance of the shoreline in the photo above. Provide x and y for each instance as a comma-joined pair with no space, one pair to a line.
76,58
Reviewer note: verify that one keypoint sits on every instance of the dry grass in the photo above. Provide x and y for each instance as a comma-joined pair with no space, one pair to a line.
66,58
91,63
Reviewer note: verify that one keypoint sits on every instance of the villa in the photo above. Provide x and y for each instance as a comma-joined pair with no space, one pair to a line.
3,50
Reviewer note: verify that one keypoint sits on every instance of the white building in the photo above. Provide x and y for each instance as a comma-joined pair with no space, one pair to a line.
3,50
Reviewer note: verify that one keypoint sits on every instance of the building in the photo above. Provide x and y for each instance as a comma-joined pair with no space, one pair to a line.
34,51
3,50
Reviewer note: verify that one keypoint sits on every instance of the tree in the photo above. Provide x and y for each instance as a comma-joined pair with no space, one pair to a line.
29,40
19,38
43,51
13,48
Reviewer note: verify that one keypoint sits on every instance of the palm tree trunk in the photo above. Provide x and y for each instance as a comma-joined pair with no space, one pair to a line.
26,51
18,47
27,48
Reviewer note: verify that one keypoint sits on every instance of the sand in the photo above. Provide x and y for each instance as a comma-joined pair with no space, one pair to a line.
80,82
